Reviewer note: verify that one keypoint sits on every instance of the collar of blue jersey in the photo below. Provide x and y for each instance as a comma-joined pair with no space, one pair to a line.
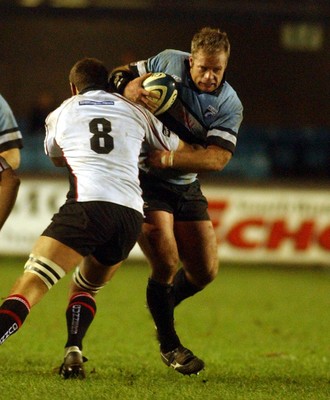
89,88
216,92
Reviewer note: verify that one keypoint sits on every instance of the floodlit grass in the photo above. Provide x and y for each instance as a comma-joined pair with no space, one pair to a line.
263,333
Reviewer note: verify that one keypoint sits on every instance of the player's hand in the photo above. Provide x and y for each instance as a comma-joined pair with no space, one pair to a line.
135,92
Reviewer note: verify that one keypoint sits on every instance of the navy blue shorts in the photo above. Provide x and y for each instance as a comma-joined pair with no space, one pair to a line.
185,202
105,230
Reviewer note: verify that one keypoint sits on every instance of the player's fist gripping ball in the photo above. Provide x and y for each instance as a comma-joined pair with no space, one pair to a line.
164,85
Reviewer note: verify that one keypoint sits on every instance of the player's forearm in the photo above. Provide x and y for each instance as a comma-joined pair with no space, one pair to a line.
119,78
201,160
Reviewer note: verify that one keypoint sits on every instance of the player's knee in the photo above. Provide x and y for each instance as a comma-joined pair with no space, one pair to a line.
213,271
48,271
82,283
204,276
161,251
212,274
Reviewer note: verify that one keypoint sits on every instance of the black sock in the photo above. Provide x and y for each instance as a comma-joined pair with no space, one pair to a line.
160,303
79,315
182,288
13,312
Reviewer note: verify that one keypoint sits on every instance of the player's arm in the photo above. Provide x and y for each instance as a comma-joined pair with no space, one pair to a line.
58,161
190,159
12,156
52,149
125,81
8,193
181,155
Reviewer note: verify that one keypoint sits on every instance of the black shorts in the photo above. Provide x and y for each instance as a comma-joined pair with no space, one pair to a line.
185,202
105,230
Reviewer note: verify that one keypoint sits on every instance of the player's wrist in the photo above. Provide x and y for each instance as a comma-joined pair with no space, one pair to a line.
167,159
118,81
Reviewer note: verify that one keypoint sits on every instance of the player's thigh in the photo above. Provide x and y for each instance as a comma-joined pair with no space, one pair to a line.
57,252
198,249
158,243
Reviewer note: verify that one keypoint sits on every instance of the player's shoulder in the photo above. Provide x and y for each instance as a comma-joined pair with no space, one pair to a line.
62,108
4,106
170,61
3,101
172,54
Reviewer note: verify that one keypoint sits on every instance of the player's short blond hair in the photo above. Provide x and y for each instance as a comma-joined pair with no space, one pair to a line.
210,41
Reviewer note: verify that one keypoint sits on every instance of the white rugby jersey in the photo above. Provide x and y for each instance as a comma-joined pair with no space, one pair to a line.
10,135
101,135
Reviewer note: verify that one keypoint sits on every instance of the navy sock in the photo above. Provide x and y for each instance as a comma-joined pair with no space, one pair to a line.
161,307
13,313
79,315
182,288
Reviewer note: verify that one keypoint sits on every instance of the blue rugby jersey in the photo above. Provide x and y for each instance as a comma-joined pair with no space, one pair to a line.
197,117
10,135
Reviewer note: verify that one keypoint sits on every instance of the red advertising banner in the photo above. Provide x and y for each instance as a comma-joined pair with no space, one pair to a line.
271,225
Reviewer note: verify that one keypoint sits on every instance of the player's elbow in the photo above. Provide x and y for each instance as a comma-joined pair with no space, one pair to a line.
15,182
219,160
10,181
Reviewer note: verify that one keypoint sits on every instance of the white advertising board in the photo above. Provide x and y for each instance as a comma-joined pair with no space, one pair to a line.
252,225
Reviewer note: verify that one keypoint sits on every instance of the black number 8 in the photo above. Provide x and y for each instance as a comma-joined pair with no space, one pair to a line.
101,141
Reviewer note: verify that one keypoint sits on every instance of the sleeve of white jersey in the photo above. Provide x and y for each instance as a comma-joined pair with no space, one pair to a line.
52,149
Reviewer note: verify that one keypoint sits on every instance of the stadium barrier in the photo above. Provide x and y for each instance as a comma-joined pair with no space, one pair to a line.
262,153
264,225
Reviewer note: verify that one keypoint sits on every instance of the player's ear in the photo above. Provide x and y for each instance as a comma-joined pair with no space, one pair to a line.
74,90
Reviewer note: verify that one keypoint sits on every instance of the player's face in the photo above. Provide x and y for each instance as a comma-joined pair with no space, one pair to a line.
207,70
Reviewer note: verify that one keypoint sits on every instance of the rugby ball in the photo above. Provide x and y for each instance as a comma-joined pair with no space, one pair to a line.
165,86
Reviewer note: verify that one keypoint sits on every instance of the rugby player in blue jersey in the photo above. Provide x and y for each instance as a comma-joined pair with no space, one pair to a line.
177,229
10,145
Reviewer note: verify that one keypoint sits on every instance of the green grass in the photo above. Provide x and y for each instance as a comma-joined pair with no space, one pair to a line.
262,331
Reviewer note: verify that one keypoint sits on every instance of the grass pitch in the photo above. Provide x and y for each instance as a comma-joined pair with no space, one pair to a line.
263,333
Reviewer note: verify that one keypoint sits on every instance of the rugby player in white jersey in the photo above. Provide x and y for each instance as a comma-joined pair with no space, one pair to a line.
177,226
98,137
10,145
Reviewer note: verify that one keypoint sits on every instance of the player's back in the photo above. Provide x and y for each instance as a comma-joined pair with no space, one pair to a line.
101,143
